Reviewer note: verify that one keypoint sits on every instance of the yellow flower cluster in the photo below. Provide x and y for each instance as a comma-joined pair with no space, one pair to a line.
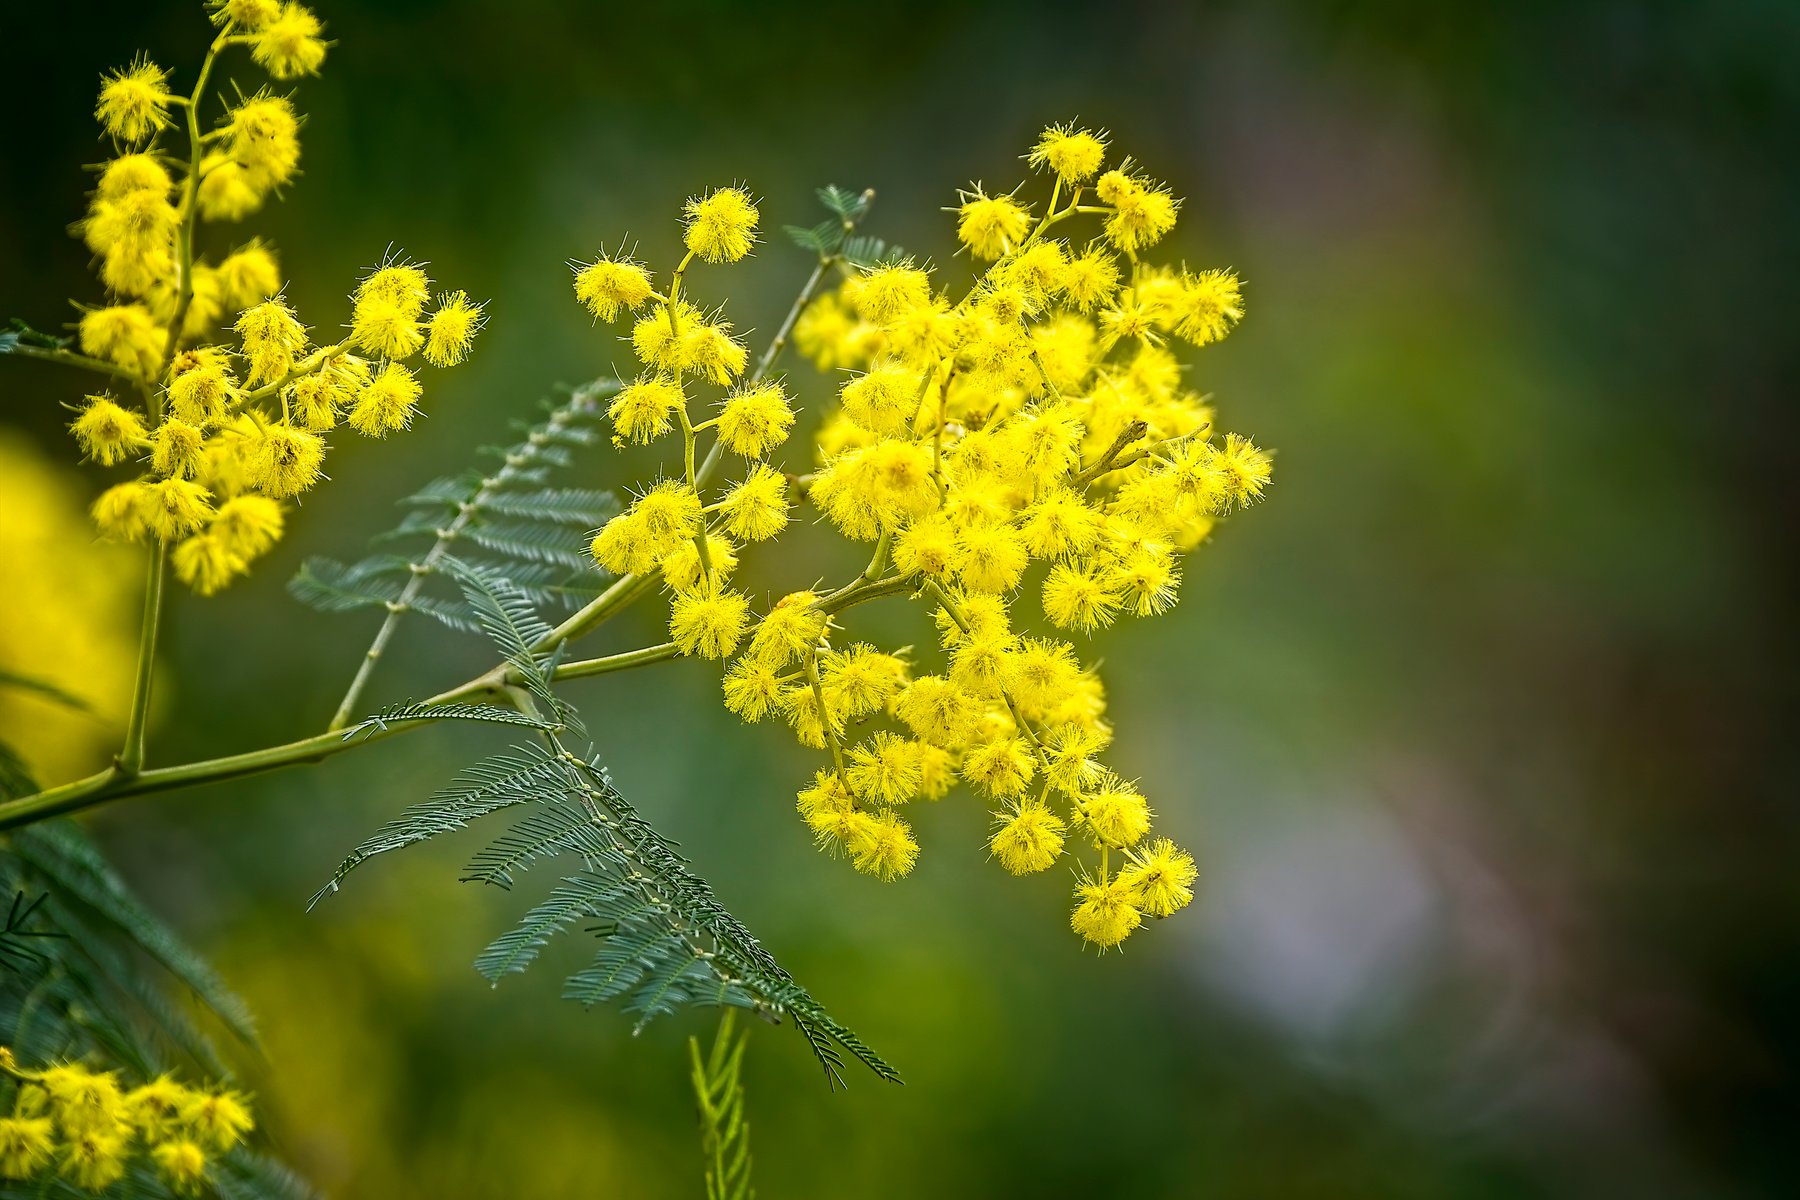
1042,418
230,427
81,1125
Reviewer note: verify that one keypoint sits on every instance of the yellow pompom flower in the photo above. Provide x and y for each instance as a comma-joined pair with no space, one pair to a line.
1029,840
643,411
668,512
1160,877
402,284
991,226
884,847
885,770
827,808
173,508
721,226
1074,155
246,14
826,333
620,547
861,680
789,631
125,334
991,558
107,433
707,349
154,1107
228,191
708,621
1148,579
118,512
756,420
1090,278
285,461
94,1159
248,275
1115,812
82,1099
248,525
202,391
890,291
1001,768
177,448
128,173
926,547
312,402
386,327
978,664
1246,470
1207,306
751,689
387,403
1040,673
452,329
656,340
1036,272
205,562
218,1120
262,135
1142,213
183,1164
937,711
609,286
681,568
1060,523
1104,913
273,339
134,102
288,44
884,399
937,771
757,509
26,1144
1079,597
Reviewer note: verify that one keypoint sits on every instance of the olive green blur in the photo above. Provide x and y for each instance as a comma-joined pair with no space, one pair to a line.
1473,724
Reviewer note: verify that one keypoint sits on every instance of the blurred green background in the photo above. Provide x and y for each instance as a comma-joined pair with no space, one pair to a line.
1474,724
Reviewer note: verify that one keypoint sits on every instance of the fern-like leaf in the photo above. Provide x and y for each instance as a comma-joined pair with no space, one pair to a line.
503,781
489,714
573,900
719,1095
62,854
547,831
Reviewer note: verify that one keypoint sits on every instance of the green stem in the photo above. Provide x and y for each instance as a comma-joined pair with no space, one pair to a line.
305,366
811,662
422,569
69,358
856,592
116,784
1110,460
190,205
131,756
617,662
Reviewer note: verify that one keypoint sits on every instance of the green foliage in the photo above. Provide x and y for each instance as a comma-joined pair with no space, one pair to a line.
509,519
724,1132
394,714
834,238
74,984
17,333
665,941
